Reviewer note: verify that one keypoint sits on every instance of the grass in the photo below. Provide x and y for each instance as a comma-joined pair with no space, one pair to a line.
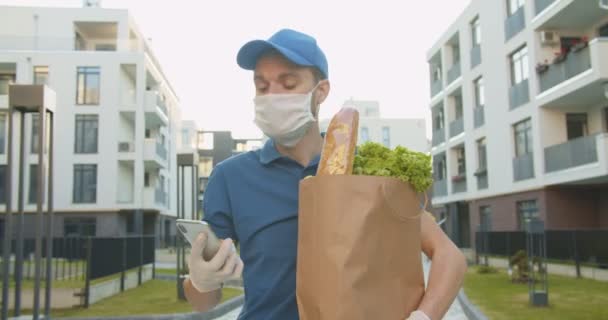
70,283
166,271
569,298
152,297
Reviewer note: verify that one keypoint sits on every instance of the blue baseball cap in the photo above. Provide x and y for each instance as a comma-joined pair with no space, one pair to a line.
297,47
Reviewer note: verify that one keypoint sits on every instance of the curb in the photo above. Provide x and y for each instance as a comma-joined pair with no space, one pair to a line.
216,312
470,310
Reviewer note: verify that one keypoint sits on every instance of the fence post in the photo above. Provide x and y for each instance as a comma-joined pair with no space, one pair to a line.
154,264
88,273
124,264
141,260
576,257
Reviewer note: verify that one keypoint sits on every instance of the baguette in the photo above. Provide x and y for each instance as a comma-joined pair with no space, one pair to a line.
338,155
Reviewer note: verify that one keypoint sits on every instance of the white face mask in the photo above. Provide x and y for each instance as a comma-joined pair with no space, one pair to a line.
285,118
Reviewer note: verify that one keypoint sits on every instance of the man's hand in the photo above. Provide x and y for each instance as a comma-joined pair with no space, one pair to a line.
207,276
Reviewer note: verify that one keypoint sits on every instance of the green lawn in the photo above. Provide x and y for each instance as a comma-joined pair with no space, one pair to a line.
72,283
569,298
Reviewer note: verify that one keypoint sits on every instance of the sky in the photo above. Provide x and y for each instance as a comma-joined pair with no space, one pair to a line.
376,50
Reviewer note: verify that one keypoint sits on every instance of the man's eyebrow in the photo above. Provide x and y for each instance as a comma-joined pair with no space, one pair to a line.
289,74
257,77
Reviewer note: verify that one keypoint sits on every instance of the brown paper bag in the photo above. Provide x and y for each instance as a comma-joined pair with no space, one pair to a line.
358,249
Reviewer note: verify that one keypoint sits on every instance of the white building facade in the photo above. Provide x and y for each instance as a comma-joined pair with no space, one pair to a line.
409,133
519,99
116,122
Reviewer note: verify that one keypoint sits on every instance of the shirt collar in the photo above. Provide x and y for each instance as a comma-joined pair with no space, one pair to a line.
269,153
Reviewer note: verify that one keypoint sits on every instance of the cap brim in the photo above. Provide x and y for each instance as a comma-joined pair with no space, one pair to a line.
248,55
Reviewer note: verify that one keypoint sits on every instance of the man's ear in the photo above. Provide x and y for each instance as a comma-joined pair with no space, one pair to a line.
322,91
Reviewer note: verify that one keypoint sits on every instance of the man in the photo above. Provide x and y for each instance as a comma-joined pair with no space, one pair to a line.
253,198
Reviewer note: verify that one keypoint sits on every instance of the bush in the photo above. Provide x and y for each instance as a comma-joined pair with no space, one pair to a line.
486,270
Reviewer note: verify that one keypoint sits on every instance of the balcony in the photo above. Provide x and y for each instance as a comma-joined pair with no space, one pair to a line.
160,197
456,127
482,179
155,199
438,137
519,94
515,23
523,167
574,153
541,5
440,188
436,87
578,80
459,183
156,110
479,116
155,154
475,56
454,72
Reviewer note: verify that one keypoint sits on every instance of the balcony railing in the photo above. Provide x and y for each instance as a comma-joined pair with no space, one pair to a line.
574,153
480,118
523,167
436,87
542,5
48,43
574,64
438,136
440,188
475,56
161,151
160,196
482,181
515,23
459,185
519,94
456,127
454,72
161,104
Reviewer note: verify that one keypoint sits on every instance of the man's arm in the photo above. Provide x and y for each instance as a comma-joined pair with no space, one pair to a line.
199,301
447,269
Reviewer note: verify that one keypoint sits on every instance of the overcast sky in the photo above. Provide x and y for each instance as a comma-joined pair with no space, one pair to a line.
376,50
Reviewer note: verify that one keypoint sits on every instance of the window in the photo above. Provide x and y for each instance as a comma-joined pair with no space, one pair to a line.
603,31
526,211
476,32
130,223
79,227
35,125
364,134
576,124
386,136
523,138
458,107
2,133
5,81
461,161
146,179
33,192
41,75
439,119
86,134
485,218
185,138
85,183
87,92
440,168
2,183
436,74
482,163
514,5
480,98
519,66
455,54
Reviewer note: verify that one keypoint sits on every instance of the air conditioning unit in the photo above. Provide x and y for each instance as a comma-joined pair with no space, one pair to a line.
604,4
549,38
124,147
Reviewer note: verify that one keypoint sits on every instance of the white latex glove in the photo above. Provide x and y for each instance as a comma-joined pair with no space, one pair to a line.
207,276
418,315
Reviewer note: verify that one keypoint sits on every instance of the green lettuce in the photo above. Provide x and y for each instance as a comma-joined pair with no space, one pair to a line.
374,159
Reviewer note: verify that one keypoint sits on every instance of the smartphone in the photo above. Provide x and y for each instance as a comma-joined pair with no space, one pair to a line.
190,229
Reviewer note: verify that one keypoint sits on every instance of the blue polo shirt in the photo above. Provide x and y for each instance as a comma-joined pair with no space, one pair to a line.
253,198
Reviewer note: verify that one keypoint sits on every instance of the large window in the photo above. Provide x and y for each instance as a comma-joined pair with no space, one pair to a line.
41,75
86,135
476,32
523,138
458,111
33,192
514,5
439,119
79,227
85,183
88,80
35,140
440,168
386,136
526,211
519,66
480,99
461,161
482,163
364,134
576,125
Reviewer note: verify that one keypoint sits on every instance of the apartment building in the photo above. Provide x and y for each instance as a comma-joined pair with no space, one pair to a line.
391,132
116,121
519,99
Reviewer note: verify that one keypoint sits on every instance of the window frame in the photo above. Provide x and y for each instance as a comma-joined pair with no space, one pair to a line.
85,72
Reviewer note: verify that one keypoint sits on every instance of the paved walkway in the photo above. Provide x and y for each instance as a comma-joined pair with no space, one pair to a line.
455,312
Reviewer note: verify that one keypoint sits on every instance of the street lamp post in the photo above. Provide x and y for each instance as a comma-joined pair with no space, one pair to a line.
536,246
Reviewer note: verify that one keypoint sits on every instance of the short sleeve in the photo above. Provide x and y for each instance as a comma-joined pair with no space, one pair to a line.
216,206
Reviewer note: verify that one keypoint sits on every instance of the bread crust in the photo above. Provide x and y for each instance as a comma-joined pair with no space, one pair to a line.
338,155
